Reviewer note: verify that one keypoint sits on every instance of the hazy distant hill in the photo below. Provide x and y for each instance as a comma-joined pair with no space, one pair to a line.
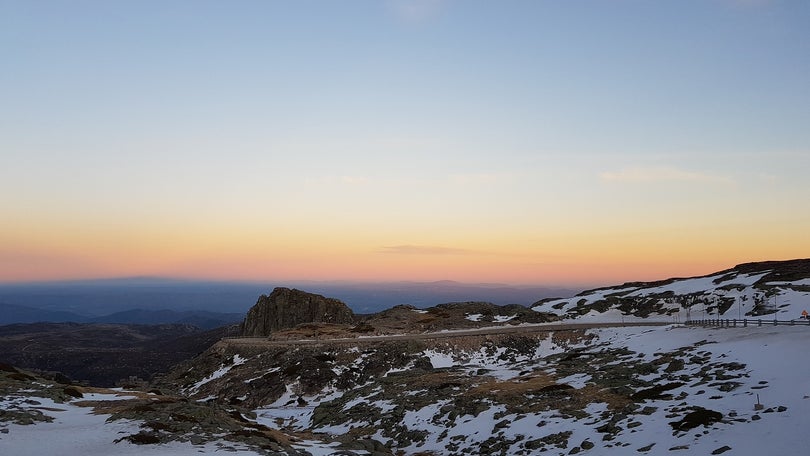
95,298
198,318
13,314
10,313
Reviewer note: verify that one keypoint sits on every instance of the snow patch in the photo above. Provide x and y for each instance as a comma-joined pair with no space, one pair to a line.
219,373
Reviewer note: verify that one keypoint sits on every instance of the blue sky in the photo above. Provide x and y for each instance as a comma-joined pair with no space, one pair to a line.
548,141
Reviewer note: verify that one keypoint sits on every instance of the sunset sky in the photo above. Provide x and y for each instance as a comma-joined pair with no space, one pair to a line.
523,142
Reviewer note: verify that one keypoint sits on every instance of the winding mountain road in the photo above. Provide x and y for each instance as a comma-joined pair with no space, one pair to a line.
488,331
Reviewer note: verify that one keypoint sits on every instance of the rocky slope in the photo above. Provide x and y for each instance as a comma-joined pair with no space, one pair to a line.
776,289
597,391
40,416
605,391
294,314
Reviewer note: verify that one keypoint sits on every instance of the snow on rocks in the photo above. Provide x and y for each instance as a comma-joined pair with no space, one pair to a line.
474,317
73,428
731,294
219,373
611,390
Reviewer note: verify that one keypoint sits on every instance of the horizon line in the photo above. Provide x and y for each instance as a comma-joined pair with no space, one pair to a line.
157,278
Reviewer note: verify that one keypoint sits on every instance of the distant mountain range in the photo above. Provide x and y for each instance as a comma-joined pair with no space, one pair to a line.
11,314
146,300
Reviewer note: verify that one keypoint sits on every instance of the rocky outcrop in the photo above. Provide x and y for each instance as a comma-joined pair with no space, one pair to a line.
287,308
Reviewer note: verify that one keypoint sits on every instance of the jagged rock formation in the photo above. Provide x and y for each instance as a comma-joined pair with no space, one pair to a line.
287,308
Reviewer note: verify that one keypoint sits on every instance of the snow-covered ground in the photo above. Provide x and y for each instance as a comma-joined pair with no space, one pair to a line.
703,294
76,431
775,368
776,355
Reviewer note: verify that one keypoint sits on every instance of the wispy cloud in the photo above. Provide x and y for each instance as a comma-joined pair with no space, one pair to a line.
416,11
642,174
410,249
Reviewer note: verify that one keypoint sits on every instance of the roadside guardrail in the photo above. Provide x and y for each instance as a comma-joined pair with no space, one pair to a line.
745,322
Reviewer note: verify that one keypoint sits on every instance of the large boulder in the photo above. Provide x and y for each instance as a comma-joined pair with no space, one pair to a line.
287,308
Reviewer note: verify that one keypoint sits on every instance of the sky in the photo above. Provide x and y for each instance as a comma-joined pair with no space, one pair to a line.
521,142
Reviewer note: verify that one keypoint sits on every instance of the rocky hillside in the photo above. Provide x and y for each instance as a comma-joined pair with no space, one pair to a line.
41,416
454,315
607,391
294,314
286,308
778,289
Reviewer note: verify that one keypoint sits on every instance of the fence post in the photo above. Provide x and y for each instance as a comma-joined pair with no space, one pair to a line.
745,323
791,322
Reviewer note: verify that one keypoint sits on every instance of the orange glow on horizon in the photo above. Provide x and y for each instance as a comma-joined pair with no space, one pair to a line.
268,250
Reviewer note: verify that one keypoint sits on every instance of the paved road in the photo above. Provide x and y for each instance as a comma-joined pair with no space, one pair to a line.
500,330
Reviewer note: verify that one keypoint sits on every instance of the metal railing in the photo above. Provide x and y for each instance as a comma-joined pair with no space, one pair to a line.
745,322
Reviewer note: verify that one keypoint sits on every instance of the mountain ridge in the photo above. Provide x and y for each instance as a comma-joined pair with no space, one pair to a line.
781,288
